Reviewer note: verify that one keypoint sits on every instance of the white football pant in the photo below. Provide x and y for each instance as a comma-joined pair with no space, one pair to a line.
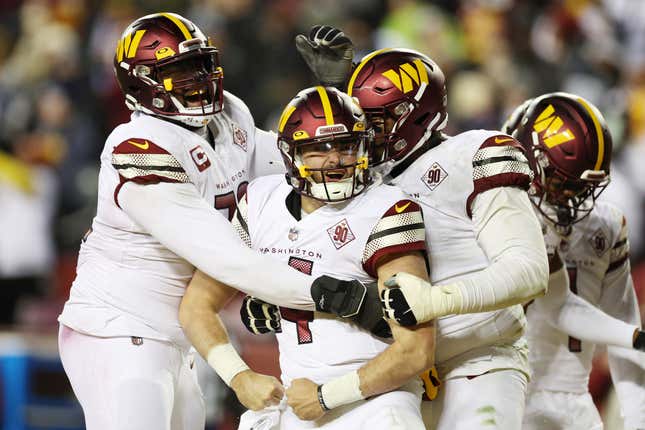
494,400
557,410
124,384
396,410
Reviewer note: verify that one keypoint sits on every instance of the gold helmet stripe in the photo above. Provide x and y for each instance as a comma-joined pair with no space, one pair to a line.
135,43
601,137
179,24
360,66
286,113
324,98
421,68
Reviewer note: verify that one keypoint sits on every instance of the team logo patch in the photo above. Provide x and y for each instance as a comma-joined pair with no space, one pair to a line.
200,158
340,234
598,242
434,176
239,136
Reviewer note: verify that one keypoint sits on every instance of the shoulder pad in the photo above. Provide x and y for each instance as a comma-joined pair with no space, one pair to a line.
499,162
400,229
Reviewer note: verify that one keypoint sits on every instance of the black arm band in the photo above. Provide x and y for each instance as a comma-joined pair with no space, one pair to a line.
321,400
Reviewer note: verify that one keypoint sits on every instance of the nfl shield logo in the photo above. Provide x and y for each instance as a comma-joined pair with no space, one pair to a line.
293,234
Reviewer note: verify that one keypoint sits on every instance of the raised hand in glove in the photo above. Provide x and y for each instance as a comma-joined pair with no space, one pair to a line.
329,53
260,317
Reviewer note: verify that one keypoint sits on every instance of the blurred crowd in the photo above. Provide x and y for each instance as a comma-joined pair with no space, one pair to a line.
59,98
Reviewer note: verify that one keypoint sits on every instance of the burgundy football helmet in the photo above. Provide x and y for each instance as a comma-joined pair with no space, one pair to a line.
569,148
326,125
165,66
403,94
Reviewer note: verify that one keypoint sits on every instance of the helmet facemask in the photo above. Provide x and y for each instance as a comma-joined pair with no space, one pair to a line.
186,87
330,169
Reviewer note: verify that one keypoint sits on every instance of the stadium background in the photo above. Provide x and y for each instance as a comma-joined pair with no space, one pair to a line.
59,100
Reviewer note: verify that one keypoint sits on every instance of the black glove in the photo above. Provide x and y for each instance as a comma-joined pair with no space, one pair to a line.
351,300
329,53
371,317
639,342
260,317
395,306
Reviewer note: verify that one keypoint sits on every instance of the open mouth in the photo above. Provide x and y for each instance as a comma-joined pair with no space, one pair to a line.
196,97
335,175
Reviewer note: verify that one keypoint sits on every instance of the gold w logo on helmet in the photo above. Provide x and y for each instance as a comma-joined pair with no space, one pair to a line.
408,75
128,45
551,125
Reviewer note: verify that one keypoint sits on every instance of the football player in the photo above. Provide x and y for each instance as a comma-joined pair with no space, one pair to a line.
324,220
569,147
169,182
487,253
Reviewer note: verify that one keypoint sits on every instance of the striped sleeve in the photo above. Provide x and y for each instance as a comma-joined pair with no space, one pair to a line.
401,229
499,162
241,221
619,254
143,162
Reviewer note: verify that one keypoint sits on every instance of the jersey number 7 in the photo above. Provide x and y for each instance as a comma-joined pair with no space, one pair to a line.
300,318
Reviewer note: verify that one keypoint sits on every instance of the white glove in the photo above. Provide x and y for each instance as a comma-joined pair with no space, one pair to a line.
409,300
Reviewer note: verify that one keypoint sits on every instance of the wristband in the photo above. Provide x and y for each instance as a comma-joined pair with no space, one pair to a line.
341,391
226,362
321,400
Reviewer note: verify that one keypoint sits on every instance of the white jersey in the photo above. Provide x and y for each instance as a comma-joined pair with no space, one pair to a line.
127,283
445,181
342,240
596,255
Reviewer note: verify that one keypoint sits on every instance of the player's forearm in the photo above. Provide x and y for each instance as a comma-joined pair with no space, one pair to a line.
509,281
198,315
575,316
399,363
510,235
388,371
411,353
176,216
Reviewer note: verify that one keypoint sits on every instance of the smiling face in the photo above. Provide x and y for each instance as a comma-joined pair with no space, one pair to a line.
185,81
330,161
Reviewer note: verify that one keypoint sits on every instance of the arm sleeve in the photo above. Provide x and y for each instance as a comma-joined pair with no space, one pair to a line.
627,366
578,318
266,158
510,235
179,218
